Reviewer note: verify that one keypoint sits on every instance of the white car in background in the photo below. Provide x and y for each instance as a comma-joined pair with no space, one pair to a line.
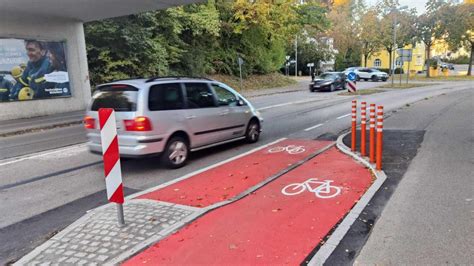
366,73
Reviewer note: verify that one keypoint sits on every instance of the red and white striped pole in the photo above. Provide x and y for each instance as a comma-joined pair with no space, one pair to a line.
111,157
372,134
379,137
354,125
363,122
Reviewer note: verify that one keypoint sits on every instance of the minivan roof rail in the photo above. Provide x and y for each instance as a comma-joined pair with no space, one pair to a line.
175,77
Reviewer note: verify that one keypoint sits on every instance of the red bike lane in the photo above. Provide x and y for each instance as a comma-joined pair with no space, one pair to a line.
280,223
230,179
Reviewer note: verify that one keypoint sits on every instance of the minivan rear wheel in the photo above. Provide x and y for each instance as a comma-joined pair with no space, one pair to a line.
176,153
253,132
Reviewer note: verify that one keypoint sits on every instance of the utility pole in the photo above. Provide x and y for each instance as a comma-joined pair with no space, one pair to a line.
296,56
395,47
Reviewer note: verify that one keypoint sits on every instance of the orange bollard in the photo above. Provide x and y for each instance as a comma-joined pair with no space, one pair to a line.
363,122
379,137
354,124
372,133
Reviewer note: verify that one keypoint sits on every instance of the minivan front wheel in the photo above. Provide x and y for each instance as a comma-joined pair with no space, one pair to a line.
176,153
253,132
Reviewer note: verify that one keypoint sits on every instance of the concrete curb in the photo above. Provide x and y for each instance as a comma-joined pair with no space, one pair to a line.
326,250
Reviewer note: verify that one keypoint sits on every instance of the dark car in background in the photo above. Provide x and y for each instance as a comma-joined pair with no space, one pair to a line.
329,81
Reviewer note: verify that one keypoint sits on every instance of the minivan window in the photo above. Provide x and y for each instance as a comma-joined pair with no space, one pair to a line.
122,98
224,97
166,96
199,95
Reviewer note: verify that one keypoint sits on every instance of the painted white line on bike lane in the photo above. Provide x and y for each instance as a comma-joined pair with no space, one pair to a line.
313,127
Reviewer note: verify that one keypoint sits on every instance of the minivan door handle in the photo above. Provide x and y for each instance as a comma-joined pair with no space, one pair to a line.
224,112
190,116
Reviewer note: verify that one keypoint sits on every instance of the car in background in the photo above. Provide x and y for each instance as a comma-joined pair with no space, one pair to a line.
376,75
366,74
172,116
329,81
447,65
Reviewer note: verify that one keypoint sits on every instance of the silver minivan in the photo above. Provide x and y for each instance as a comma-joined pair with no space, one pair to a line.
171,116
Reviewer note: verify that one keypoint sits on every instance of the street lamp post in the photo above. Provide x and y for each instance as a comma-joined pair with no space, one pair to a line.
395,46
286,65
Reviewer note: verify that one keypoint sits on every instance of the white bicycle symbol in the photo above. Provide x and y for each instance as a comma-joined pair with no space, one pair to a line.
324,190
291,149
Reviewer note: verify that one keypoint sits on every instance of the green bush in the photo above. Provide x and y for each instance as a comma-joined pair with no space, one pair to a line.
462,60
433,63
398,70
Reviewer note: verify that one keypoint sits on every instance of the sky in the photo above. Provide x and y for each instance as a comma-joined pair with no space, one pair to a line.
418,4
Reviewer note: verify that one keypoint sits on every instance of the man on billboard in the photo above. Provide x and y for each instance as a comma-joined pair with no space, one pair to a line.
38,65
35,69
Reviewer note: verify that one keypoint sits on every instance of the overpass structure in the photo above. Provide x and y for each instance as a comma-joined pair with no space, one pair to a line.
62,21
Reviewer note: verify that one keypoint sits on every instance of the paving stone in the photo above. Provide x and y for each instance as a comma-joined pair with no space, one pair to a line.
98,238
72,260
103,250
91,249
82,262
80,254
102,258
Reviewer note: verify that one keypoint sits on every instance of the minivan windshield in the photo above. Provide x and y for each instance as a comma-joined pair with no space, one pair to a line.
122,98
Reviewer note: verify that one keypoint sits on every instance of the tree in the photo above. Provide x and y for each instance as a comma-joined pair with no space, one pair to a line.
200,39
458,26
369,34
345,39
405,31
428,28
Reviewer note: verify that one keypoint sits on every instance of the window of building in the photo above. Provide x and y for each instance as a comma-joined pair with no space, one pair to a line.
419,60
398,62
377,63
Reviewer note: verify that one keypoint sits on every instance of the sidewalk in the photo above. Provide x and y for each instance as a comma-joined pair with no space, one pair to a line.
274,204
27,125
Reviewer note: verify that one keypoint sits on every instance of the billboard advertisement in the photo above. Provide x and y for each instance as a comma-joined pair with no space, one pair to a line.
32,69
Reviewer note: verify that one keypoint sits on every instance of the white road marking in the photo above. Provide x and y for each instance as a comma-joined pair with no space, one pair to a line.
289,103
313,127
342,116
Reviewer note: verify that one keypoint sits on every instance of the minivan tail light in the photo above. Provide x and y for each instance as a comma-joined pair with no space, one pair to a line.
89,122
140,123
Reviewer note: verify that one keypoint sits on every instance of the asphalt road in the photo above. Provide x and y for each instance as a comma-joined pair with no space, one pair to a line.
61,185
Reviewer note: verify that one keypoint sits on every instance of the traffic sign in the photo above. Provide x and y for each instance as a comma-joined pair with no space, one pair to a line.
405,54
310,65
240,61
111,157
351,76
